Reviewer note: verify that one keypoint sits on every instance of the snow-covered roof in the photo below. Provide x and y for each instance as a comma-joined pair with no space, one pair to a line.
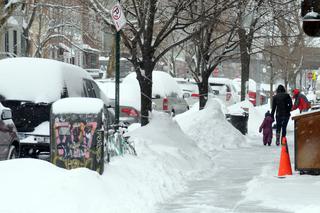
39,80
87,47
12,21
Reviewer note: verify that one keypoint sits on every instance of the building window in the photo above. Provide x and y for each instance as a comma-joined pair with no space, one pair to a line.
15,42
6,42
93,61
23,46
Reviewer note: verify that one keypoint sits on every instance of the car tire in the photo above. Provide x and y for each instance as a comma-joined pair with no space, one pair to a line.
12,153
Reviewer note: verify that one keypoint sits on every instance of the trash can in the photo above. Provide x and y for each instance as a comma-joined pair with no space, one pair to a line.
77,134
239,121
307,143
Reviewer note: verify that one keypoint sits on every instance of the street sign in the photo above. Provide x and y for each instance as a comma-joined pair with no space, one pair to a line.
314,75
118,17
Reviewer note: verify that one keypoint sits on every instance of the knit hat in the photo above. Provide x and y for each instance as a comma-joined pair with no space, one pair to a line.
296,91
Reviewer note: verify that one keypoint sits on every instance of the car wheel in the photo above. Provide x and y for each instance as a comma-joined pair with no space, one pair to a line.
12,152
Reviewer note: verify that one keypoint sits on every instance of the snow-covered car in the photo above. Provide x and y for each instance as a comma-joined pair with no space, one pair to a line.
9,141
224,90
191,91
251,89
166,94
128,109
29,86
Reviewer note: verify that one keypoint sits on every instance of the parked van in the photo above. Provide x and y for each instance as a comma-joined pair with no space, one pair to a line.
29,86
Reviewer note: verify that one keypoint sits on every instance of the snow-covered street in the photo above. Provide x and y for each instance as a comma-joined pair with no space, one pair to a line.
221,188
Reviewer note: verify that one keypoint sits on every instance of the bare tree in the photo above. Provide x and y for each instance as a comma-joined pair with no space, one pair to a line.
29,9
254,17
290,56
149,25
7,8
250,14
213,44
170,59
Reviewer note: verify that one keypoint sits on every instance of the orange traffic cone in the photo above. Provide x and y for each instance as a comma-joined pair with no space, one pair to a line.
285,164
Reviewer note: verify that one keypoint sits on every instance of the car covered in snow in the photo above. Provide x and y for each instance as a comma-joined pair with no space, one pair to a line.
252,91
128,107
29,86
166,94
190,90
224,90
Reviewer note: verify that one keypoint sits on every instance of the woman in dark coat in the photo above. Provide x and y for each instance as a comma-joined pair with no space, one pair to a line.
281,105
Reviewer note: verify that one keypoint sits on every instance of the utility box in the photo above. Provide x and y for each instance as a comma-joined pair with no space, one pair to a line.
307,142
77,135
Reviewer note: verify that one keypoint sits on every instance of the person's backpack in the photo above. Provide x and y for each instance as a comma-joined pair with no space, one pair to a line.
307,103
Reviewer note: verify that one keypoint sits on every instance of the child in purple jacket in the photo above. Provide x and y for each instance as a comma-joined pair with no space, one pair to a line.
266,126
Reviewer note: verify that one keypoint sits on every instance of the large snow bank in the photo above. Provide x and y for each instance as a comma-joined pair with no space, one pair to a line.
166,159
210,128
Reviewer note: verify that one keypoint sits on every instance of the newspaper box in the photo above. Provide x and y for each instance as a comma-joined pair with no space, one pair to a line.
307,142
76,133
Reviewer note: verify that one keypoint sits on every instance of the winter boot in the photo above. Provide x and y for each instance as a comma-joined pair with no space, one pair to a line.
278,139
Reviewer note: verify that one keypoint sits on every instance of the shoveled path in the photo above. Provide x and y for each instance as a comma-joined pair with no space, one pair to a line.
221,189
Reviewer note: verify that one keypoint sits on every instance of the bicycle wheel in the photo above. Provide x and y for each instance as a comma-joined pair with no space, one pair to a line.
119,143
128,147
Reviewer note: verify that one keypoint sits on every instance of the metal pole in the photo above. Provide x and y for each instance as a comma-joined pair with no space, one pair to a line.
117,111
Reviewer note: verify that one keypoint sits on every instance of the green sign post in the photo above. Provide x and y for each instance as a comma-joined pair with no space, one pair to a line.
119,21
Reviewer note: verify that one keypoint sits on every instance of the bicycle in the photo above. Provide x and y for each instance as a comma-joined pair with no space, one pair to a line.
117,143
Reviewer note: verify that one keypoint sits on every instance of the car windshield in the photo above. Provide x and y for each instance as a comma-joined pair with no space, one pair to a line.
28,115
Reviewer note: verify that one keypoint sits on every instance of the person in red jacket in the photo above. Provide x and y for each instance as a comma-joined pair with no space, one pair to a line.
300,101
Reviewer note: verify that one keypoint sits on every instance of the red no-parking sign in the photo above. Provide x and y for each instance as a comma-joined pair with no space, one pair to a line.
118,17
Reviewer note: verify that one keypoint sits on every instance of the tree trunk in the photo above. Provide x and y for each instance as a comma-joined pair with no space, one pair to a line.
145,82
203,92
271,83
146,104
245,62
27,51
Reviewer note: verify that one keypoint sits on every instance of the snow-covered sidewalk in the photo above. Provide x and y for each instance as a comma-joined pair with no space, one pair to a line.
224,188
